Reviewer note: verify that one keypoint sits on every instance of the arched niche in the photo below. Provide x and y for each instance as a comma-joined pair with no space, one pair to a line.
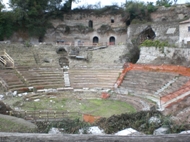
95,40
112,40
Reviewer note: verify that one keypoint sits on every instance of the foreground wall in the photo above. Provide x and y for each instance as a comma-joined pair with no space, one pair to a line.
149,54
161,30
20,137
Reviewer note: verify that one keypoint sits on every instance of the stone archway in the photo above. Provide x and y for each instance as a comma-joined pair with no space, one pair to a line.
112,40
63,59
95,40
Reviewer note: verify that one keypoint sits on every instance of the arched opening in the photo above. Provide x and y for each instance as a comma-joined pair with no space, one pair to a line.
147,33
61,50
112,20
40,39
128,22
90,24
95,40
63,59
112,40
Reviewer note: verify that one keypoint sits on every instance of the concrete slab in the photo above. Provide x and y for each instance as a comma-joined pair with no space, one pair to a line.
171,31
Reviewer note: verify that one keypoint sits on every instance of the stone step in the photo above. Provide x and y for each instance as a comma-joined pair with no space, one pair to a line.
10,83
42,74
44,80
44,83
176,99
176,85
16,86
66,79
94,71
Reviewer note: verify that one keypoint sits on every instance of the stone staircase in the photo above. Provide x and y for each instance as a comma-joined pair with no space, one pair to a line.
145,82
26,79
181,111
177,96
93,78
174,86
139,103
165,88
45,77
11,79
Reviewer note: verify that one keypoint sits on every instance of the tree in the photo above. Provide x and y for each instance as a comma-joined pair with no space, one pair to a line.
175,1
138,10
6,24
1,5
68,3
32,16
166,3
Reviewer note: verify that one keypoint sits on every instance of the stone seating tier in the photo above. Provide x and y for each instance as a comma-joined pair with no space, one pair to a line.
146,82
93,78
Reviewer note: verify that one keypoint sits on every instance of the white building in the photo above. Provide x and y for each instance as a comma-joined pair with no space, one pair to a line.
184,32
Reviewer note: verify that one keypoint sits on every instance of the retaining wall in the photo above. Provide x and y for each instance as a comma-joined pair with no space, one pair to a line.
149,54
26,137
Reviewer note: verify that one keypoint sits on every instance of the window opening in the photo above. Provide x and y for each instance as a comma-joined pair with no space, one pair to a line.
90,24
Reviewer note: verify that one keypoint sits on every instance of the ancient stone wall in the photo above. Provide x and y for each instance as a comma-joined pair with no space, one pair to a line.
20,137
149,54
175,13
84,27
160,29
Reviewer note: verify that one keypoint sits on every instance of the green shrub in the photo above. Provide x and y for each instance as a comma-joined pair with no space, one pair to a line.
69,126
166,3
155,43
187,4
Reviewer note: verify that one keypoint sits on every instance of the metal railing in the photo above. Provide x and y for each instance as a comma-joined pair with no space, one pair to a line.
3,83
9,58
4,57
3,61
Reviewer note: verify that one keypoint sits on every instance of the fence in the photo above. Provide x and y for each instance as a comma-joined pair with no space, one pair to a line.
43,115
88,44
85,44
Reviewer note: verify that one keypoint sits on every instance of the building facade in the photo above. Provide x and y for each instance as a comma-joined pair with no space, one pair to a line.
184,32
84,29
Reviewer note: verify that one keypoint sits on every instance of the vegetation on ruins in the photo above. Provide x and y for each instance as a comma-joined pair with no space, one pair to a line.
138,10
155,43
144,122
140,121
7,125
166,3
33,17
68,126
104,108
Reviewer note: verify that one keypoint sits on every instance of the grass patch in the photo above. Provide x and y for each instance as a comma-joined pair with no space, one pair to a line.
97,107
104,108
10,126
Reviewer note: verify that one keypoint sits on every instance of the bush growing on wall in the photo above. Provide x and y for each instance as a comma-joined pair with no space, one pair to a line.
155,43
